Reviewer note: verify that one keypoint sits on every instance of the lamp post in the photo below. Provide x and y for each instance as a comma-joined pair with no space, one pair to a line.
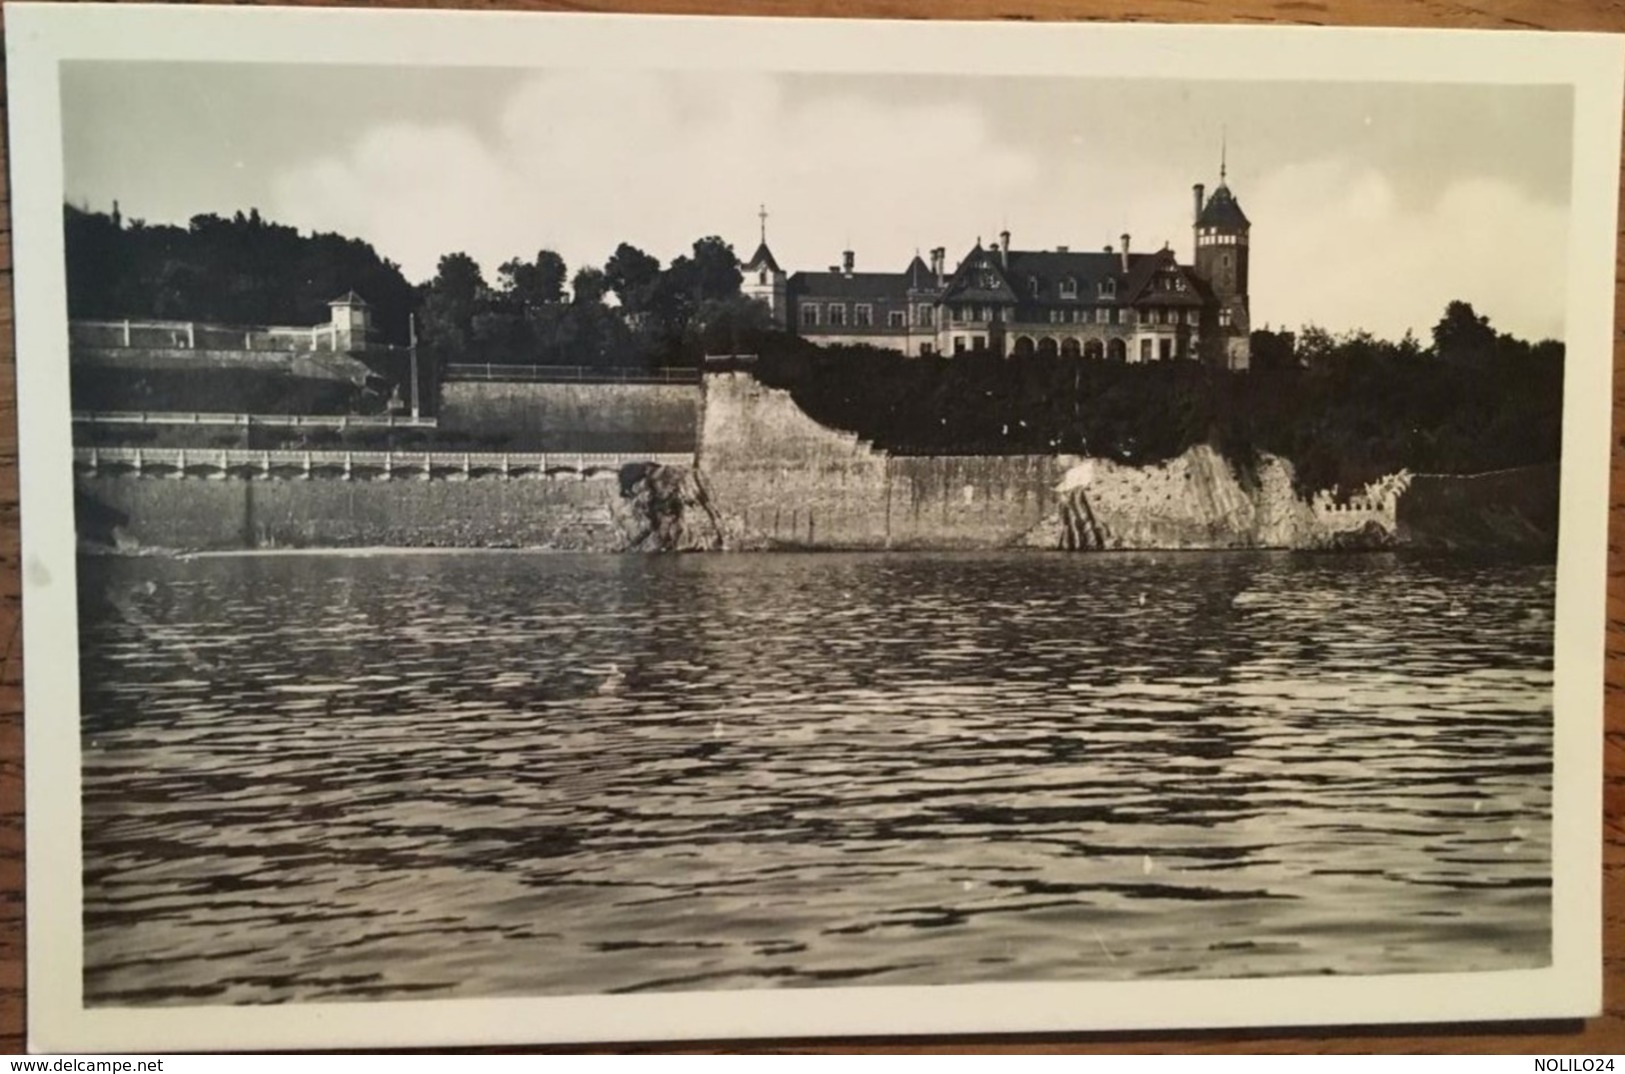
412,336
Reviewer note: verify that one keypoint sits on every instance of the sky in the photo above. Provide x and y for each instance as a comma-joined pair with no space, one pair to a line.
1372,205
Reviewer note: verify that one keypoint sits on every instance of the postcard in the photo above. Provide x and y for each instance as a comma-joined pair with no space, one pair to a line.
563,528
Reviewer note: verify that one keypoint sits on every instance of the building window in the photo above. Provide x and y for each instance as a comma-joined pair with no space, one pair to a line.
896,319
1145,350
809,315
925,350
978,343
1102,315
1166,347
1190,318
1032,285
1055,316
837,314
959,313
863,315
1069,287
922,315
1179,283
1108,287
1224,318
959,344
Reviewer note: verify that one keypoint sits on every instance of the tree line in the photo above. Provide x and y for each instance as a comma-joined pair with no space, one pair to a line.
1344,408
245,270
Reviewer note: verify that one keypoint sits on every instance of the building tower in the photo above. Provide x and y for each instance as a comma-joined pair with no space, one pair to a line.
764,280
351,319
1221,234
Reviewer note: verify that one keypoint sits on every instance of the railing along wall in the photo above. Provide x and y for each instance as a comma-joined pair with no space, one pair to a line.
220,462
568,374
291,421
195,335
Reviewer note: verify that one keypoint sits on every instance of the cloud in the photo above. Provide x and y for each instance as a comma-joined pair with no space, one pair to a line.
581,161
1355,257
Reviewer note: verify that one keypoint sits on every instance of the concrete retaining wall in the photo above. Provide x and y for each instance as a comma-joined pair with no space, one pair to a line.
1507,509
574,417
778,475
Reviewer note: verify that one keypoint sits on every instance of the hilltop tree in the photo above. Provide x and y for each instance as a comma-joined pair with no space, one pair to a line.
1462,333
715,272
535,283
589,286
632,275
452,300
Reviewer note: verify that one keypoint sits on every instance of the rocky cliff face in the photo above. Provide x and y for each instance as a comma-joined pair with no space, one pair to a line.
1199,500
669,509
774,472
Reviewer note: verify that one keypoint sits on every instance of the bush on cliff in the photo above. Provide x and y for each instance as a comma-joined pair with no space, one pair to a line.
1347,411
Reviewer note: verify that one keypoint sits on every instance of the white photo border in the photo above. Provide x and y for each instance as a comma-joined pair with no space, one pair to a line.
40,36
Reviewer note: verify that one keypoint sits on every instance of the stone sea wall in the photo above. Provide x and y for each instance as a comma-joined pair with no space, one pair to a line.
768,476
1507,509
195,514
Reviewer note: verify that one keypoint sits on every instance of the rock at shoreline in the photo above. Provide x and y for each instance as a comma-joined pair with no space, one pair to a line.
668,509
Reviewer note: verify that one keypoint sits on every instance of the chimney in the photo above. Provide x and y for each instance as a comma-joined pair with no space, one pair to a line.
1004,244
1197,215
938,256
848,258
1125,251
1061,249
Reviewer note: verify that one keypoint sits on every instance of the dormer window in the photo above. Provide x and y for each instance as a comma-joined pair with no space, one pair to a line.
1069,287
1033,286
1108,288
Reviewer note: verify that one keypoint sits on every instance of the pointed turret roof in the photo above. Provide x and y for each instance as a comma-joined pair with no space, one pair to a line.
762,258
920,276
1222,210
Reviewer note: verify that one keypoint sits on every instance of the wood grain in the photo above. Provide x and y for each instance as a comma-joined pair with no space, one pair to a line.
1605,1034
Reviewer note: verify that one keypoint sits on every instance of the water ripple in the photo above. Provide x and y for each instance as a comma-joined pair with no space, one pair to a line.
319,778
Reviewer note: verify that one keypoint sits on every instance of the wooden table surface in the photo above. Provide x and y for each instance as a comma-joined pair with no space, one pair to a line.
1603,1034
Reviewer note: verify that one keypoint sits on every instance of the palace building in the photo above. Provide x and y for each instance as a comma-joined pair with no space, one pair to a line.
1113,303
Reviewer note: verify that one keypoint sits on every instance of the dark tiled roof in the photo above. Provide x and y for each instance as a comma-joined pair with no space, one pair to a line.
1088,268
762,258
919,275
967,282
1222,210
1138,286
876,286
348,298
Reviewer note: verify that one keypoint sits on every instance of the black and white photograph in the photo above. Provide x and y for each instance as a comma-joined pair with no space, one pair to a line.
723,529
